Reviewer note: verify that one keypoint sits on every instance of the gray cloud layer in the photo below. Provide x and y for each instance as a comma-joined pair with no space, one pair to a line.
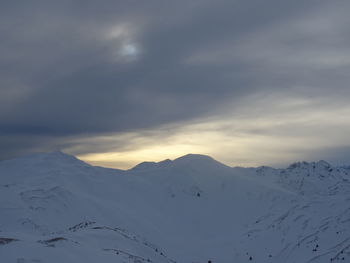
70,69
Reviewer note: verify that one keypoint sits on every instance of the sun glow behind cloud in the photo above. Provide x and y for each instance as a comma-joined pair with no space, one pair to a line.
123,38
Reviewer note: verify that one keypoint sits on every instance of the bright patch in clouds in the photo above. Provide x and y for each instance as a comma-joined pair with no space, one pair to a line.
123,38
129,50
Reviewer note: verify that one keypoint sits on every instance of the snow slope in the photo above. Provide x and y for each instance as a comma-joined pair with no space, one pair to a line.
56,208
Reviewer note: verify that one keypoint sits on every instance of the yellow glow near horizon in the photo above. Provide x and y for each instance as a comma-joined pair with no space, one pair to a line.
152,151
281,134
234,151
125,160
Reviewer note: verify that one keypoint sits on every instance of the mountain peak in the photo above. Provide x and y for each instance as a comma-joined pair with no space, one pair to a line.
45,159
324,164
198,161
54,156
307,165
151,165
191,157
195,161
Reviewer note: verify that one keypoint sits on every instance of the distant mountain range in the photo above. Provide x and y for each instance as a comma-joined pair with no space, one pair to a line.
56,208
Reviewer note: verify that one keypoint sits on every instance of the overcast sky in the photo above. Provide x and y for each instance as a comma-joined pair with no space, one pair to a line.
119,82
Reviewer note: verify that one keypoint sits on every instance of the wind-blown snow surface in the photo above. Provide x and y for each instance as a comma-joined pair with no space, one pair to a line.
56,208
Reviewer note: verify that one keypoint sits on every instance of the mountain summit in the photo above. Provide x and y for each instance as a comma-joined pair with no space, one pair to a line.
187,162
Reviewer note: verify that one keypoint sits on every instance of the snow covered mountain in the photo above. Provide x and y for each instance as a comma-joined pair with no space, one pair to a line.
56,208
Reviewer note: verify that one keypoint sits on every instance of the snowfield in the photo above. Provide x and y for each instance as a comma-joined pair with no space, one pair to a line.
56,208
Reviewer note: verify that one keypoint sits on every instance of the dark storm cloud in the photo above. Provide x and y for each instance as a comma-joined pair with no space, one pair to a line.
78,68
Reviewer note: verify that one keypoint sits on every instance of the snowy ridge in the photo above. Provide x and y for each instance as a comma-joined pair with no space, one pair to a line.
316,178
56,208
